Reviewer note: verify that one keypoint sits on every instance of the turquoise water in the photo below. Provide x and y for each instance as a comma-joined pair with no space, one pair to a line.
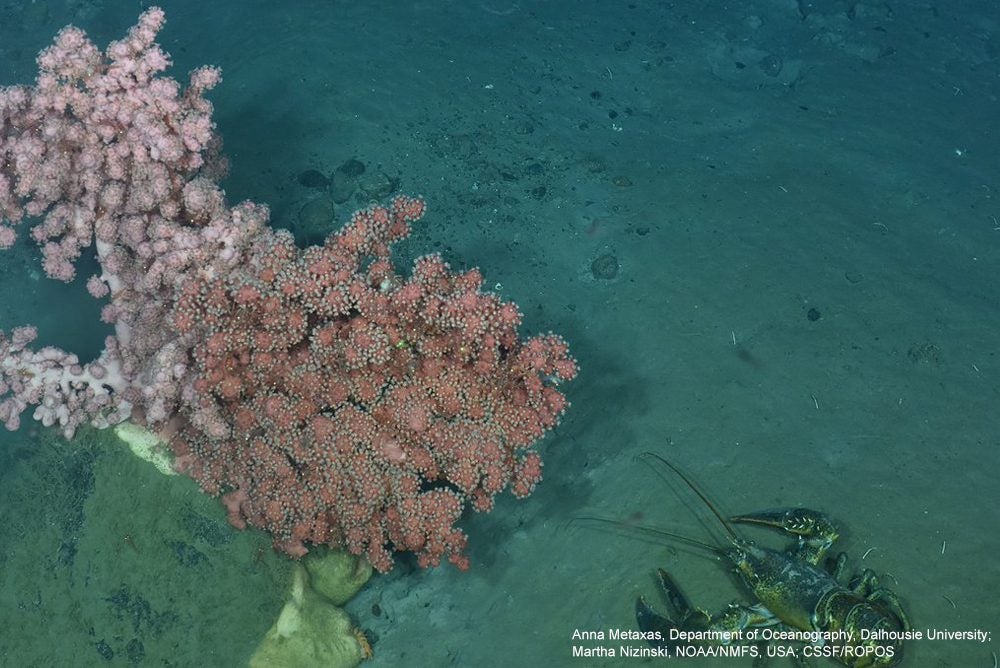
769,232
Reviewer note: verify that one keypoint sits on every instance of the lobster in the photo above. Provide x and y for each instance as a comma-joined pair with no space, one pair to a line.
798,594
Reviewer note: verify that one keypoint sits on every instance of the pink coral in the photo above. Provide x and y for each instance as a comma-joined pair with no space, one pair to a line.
348,405
327,397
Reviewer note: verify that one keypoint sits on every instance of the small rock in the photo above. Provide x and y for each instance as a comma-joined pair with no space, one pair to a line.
312,178
315,220
377,186
771,65
352,168
342,187
605,267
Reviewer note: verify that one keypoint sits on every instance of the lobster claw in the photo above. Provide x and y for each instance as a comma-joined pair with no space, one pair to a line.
686,617
814,527
650,620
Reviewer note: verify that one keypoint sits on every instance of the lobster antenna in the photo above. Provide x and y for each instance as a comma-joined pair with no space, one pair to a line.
651,531
701,495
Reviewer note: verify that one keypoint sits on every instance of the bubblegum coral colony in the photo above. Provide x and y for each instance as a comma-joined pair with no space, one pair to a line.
327,397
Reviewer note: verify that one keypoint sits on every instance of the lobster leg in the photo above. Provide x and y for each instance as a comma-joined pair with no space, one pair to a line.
867,585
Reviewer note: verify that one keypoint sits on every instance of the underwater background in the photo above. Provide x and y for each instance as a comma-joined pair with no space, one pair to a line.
770,231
